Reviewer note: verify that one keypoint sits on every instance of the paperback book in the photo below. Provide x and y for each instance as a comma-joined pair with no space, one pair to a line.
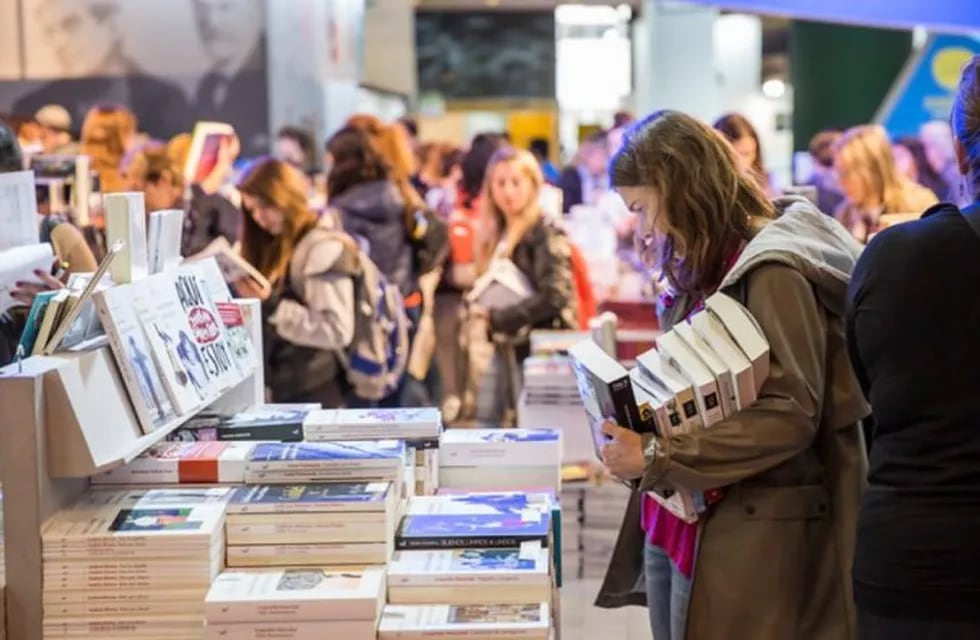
656,376
516,621
500,447
125,220
723,375
451,531
744,331
355,497
183,462
371,424
309,555
230,313
207,330
684,361
713,332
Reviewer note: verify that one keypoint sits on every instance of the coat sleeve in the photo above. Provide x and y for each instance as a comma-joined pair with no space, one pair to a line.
325,317
551,277
783,422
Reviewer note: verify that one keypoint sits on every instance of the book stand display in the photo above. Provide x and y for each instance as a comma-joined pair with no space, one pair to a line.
63,418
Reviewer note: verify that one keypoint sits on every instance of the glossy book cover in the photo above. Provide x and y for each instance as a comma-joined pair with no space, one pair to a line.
442,531
392,451
353,495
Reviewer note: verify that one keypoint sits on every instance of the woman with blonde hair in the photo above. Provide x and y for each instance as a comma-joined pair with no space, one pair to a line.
309,315
872,185
770,554
108,133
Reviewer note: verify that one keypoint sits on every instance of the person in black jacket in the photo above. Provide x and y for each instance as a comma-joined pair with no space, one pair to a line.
586,180
912,316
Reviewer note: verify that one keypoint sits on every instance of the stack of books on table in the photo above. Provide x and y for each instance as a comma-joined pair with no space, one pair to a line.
550,398
270,422
700,373
473,566
341,524
299,603
420,428
500,459
133,564
603,510
318,462
171,463
572,502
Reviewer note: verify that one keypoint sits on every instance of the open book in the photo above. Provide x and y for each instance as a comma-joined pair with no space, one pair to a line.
233,266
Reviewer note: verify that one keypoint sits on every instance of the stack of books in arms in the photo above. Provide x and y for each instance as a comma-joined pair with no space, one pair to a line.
473,566
501,459
342,524
133,564
296,603
420,429
699,374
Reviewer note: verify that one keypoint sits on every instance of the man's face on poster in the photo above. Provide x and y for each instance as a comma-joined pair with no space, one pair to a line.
229,29
83,33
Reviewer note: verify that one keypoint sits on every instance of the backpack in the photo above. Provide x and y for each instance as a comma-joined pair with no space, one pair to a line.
376,358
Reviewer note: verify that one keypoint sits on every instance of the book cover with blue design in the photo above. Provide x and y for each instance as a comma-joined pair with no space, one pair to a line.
502,503
465,576
355,424
450,531
501,447
312,498
381,453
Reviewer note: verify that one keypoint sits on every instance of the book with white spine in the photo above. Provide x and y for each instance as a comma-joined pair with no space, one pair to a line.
317,555
653,369
683,360
713,332
373,424
500,447
319,630
296,594
744,331
125,219
514,622
183,462
723,375
469,576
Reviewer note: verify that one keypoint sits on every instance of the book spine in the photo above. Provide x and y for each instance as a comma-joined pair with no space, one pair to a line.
627,412
262,432
476,579
344,433
475,454
429,543
260,508
323,475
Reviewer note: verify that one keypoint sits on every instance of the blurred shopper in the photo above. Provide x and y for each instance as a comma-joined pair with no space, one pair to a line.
917,566
541,148
871,183
55,122
587,180
937,137
108,133
829,194
295,146
309,316
919,169
442,198
782,477
161,182
623,119
745,140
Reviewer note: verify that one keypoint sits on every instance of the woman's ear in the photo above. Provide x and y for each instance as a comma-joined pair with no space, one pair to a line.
962,157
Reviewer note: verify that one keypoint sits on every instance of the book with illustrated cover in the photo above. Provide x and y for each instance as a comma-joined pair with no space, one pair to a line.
723,375
500,447
605,388
35,319
477,621
231,313
282,424
684,361
744,331
710,329
469,576
667,384
140,371
360,497
207,330
368,424
449,531
183,462
297,594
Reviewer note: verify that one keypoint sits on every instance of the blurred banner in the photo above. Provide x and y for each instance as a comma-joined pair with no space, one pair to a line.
927,86
954,16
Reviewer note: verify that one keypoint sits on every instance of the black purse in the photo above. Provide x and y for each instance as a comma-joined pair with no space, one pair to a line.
430,241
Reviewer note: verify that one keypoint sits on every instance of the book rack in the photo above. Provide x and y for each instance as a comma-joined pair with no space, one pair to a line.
64,418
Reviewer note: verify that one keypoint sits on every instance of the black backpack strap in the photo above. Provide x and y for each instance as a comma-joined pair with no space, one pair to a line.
972,216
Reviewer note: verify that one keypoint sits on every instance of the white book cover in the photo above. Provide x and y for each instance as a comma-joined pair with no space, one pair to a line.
163,239
713,332
207,330
500,447
172,340
502,285
125,219
525,505
18,210
367,424
134,356
183,462
301,594
683,360
319,630
470,567
745,332
231,314
407,622
723,375
673,386
232,266
312,456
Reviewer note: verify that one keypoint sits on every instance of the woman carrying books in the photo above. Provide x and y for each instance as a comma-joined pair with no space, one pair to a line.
912,329
308,317
770,556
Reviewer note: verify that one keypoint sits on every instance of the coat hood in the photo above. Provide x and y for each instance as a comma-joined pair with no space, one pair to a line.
377,201
809,241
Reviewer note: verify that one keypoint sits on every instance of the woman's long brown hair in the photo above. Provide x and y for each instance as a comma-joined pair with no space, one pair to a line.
708,205
106,131
279,185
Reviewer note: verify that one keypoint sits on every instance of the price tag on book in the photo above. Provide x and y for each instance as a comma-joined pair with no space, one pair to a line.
530,515
530,550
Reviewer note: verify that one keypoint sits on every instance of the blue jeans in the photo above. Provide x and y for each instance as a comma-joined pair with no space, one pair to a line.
668,595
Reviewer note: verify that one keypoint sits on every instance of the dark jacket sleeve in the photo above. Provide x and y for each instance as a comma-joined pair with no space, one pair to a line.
551,277
783,422
855,301
570,183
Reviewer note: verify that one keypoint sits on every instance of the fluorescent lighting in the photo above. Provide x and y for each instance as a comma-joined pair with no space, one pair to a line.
774,88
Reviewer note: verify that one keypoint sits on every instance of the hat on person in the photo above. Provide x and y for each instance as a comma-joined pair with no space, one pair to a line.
54,116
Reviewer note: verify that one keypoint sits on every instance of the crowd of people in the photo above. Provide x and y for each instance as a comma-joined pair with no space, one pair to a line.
856,335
